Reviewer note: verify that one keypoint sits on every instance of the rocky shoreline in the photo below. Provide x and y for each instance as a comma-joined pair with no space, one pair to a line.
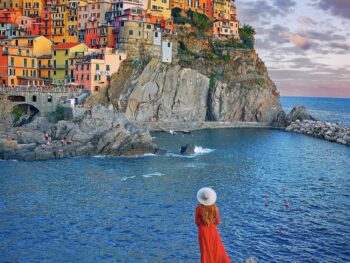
97,131
321,129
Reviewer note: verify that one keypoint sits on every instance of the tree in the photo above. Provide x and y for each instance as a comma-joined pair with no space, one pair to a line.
176,12
247,34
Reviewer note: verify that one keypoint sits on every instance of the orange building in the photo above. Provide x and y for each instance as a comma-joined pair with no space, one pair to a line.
226,29
29,58
200,6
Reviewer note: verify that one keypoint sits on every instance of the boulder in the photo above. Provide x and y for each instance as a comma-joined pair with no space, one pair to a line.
299,113
188,149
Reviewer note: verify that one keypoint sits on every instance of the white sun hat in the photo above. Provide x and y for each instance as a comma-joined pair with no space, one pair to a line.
206,196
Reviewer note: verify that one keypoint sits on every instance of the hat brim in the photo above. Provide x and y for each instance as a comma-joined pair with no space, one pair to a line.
211,196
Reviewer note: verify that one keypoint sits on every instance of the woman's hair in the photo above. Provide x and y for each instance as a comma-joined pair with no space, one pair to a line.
208,214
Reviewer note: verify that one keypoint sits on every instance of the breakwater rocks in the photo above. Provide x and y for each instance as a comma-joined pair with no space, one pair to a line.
97,131
320,129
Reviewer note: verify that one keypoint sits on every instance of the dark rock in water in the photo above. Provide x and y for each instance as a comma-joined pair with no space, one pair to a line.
299,113
98,131
280,121
160,151
188,149
250,260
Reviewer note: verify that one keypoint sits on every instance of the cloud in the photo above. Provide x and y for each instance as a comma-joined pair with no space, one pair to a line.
336,7
340,45
297,40
284,5
305,20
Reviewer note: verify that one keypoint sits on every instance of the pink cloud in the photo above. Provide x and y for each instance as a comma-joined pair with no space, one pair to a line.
297,40
306,20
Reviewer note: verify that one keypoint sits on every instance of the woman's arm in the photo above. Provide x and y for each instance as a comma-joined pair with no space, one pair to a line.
217,217
197,216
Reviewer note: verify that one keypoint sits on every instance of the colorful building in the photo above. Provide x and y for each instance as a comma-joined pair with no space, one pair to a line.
94,70
32,8
63,63
225,29
25,56
3,65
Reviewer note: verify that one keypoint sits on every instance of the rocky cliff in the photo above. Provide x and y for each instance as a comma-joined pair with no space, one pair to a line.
198,85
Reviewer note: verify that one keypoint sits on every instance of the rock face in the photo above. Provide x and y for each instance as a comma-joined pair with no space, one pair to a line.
201,89
322,130
164,92
97,131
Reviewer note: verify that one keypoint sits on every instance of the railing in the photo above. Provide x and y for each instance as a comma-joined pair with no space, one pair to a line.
46,89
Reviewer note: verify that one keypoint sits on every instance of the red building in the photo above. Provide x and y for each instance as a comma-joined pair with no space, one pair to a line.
3,65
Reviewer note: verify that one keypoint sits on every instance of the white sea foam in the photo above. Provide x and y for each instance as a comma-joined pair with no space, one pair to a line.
152,175
198,150
127,178
100,156
201,150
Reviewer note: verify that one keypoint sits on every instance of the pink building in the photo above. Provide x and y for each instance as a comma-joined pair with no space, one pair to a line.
94,69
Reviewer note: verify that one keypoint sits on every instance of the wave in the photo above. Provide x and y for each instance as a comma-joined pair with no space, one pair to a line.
198,151
152,175
127,178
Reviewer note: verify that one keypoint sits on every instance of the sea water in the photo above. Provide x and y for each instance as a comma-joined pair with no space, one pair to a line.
101,209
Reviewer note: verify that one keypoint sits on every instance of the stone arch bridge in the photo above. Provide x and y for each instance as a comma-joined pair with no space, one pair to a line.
44,100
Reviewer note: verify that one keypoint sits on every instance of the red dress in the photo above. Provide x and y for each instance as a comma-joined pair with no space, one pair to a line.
211,247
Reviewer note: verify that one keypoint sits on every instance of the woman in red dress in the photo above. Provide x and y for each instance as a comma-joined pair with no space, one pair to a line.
207,218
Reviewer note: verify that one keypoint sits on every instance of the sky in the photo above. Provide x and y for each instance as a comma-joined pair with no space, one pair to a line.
305,44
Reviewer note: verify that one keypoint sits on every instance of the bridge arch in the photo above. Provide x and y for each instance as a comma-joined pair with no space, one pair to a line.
26,108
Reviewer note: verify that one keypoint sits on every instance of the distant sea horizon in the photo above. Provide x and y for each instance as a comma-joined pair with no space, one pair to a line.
335,110
316,97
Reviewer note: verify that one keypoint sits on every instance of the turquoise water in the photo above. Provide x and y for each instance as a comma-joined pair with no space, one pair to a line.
142,209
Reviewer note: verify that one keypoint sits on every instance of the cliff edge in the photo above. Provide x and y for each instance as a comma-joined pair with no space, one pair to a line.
200,84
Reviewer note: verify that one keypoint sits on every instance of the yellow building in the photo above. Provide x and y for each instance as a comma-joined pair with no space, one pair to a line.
72,22
159,8
32,8
224,9
17,5
63,62
29,60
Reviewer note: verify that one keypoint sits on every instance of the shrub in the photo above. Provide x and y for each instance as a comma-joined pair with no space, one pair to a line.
182,48
176,12
17,112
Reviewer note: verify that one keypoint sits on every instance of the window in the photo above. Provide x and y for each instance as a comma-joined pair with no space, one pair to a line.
66,52
54,52
97,66
12,61
88,77
122,23
107,68
54,72
49,98
130,32
149,26
82,77
95,78
33,63
25,63
120,57
169,44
